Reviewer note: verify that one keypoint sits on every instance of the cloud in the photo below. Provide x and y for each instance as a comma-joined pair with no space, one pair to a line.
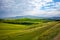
43,13
29,7
49,9
13,4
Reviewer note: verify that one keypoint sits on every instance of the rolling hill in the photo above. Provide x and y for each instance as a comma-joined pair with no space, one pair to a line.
44,31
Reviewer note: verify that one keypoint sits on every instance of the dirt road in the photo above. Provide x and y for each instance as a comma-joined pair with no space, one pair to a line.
57,37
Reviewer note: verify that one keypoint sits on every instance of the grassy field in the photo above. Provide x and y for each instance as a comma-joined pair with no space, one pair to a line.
29,29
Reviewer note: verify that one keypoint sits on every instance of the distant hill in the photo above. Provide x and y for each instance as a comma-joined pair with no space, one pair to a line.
54,18
29,16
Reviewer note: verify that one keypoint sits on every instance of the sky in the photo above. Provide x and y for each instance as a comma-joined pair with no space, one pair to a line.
41,8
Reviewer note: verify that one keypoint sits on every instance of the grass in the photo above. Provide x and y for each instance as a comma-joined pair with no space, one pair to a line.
41,31
51,33
6,26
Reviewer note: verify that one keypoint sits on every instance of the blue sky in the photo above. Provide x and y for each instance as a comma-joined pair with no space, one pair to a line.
42,8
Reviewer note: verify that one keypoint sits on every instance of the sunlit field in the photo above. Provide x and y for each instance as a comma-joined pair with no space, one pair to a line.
29,29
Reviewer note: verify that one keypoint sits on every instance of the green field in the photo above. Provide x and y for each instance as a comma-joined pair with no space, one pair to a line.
29,29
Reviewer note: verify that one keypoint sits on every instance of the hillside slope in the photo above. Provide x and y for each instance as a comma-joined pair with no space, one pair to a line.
47,31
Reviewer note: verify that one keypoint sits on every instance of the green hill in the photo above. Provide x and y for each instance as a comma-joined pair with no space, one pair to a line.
43,31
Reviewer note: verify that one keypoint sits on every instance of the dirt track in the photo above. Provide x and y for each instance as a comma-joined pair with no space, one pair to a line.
57,37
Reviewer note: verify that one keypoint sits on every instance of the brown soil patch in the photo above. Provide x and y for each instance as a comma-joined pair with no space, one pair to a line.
57,37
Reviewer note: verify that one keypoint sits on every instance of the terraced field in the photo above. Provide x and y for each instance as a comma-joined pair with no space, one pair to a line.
41,31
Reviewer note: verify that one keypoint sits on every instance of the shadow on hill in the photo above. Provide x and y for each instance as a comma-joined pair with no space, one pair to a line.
22,23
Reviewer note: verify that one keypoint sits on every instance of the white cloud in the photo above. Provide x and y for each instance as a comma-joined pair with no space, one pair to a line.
48,0
41,13
39,3
51,10
31,7
12,3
